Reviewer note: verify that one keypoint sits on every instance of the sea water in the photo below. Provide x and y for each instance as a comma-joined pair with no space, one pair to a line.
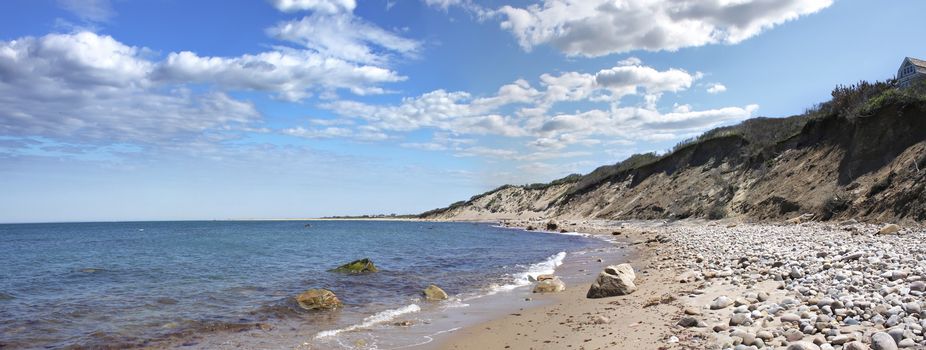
167,284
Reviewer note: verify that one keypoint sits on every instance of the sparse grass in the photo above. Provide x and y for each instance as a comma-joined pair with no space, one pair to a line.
762,136
882,185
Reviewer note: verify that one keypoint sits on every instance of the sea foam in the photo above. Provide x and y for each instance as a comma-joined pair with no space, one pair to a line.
521,279
380,317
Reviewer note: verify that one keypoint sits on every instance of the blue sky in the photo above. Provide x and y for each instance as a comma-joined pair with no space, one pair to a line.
162,110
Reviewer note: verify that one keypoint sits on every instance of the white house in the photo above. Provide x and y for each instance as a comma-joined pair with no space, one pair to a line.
911,70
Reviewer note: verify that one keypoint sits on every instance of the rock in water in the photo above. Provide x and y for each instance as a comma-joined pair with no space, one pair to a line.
549,285
318,299
545,277
883,341
613,281
357,266
434,293
889,229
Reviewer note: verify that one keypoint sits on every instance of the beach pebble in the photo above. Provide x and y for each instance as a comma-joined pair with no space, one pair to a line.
855,345
740,320
803,345
793,335
599,319
790,318
721,302
688,322
883,341
692,311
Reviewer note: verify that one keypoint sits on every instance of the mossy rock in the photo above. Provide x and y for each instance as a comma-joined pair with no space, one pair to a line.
434,293
356,267
318,299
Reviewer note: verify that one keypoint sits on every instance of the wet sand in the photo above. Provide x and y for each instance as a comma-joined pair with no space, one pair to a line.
572,321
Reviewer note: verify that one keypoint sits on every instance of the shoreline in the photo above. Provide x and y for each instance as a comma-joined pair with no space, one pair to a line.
569,319
419,324
726,284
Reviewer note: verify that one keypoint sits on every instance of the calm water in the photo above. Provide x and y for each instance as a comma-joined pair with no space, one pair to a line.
157,283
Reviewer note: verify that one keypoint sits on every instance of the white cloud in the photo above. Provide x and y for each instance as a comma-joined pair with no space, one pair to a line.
470,6
325,6
716,88
601,27
625,80
292,74
85,87
90,88
443,4
89,10
363,133
426,146
344,36
521,111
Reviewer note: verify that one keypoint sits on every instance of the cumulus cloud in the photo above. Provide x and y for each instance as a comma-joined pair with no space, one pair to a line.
716,88
292,74
522,111
88,88
601,27
626,79
323,6
344,36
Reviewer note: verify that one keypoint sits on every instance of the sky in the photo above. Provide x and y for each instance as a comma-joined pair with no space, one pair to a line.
183,110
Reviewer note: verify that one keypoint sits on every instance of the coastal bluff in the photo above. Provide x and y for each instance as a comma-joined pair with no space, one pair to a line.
861,155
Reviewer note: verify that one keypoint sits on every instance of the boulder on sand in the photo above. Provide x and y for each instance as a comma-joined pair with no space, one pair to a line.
552,225
549,285
434,293
318,299
613,281
889,229
801,219
357,266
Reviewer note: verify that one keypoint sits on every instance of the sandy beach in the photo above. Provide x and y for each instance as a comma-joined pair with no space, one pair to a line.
720,285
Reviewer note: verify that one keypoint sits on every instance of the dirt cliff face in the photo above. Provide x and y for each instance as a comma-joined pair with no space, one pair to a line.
868,167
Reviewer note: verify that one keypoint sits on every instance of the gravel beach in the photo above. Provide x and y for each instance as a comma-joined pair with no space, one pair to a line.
726,285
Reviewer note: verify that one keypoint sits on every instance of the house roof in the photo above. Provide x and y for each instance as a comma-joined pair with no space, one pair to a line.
917,62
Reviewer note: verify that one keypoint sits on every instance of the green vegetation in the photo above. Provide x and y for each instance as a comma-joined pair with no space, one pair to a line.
864,98
356,266
571,178
761,136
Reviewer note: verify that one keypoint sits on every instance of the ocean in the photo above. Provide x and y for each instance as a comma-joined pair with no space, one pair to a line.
208,283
